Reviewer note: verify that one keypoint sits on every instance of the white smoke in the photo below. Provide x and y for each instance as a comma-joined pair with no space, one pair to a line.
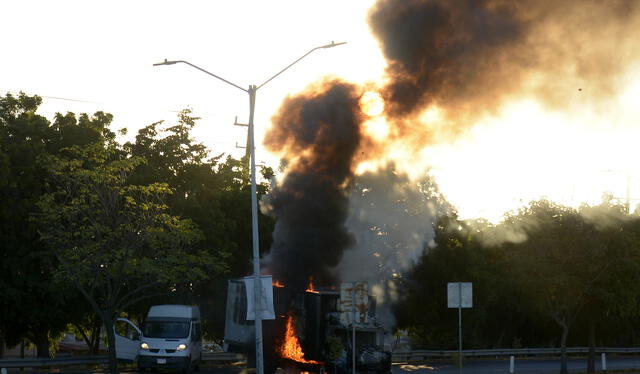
392,220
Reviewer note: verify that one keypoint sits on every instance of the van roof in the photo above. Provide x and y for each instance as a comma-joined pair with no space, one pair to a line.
182,311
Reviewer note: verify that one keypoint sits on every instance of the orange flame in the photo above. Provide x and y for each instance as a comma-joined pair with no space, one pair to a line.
291,348
276,283
310,287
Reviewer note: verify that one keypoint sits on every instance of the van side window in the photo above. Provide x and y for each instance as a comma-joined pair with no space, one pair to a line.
125,330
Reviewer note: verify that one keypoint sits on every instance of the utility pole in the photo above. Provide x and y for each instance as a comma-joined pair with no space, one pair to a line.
254,198
353,325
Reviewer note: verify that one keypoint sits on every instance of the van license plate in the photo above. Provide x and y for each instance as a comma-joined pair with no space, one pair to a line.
162,360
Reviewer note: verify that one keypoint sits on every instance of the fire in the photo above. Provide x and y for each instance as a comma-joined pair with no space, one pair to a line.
310,287
291,348
276,283
377,128
372,104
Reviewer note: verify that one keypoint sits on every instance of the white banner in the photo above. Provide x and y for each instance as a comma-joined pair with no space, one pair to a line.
266,297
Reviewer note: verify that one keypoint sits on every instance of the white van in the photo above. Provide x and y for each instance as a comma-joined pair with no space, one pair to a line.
171,337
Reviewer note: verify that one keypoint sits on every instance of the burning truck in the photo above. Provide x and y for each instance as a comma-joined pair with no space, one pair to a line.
312,330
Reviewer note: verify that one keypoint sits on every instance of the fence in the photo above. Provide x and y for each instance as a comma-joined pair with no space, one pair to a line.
408,356
214,357
424,355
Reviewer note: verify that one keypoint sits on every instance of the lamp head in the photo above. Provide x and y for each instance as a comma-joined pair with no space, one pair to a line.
333,44
165,62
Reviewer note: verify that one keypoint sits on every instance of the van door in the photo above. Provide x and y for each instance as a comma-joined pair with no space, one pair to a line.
127,339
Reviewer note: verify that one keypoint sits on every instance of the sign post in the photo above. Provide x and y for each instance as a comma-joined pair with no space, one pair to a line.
459,295
353,325
353,307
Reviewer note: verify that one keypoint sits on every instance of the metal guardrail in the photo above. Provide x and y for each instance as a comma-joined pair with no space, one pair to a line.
422,355
223,357
38,362
408,356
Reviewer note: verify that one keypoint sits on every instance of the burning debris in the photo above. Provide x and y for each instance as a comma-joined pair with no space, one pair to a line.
277,284
313,331
290,348
311,288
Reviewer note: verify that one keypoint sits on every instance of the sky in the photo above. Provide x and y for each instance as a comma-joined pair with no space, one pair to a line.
85,56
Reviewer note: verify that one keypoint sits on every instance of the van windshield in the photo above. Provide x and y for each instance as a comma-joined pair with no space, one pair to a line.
166,329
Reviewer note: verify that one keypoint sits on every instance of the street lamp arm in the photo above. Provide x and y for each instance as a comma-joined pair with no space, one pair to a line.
201,69
254,200
331,45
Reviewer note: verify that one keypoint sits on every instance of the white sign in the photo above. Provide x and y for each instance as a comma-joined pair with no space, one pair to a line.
346,305
459,295
266,297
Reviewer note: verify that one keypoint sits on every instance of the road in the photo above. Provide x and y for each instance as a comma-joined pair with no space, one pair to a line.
522,366
490,366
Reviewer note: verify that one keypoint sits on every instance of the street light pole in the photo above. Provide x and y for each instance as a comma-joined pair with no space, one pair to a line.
252,90
257,285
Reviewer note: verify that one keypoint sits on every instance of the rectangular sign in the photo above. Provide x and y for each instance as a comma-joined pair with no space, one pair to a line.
346,305
266,297
459,295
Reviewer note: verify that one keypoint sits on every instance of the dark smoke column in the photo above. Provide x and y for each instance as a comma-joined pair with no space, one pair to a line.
469,57
318,132
449,53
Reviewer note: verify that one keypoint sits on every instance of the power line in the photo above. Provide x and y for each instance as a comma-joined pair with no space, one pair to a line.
56,97
93,102
102,103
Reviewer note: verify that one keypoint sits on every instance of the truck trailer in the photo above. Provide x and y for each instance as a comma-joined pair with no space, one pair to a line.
322,324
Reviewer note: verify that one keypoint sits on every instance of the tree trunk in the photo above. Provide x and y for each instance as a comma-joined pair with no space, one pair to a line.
92,336
563,349
111,341
95,338
41,340
87,339
591,356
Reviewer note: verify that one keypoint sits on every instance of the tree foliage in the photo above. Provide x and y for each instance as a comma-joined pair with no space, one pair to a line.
26,267
545,271
123,226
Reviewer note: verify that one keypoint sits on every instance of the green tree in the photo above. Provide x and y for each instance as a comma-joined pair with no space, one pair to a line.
560,264
612,300
26,266
115,241
215,193
458,253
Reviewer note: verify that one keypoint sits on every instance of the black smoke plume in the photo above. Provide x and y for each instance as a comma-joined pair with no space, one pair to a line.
469,57
320,132
465,57
442,51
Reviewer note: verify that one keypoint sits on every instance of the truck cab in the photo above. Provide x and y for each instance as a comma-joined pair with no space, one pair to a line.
170,337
